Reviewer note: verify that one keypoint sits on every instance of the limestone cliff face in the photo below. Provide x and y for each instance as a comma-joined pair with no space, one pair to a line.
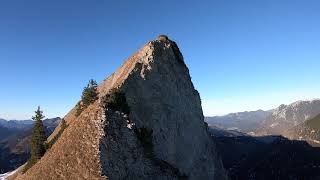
163,137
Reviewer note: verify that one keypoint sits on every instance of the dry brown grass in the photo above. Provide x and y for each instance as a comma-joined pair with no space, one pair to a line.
75,154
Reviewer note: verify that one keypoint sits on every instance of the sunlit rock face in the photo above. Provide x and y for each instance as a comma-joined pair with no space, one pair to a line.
163,136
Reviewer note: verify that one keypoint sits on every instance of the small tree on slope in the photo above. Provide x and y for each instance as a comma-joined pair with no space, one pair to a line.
38,139
89,95
63,124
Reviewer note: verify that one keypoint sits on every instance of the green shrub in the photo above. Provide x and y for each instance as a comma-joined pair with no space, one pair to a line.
63,126
79,109
29,164
116,100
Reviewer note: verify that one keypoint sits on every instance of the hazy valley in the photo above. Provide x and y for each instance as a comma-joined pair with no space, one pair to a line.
15,141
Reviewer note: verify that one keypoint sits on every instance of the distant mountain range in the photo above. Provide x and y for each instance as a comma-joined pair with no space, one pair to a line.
14,141
15,123
286,117
219,132
299,120
242,121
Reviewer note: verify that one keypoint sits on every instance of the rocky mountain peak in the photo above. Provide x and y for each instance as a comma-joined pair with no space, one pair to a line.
160,135
287,116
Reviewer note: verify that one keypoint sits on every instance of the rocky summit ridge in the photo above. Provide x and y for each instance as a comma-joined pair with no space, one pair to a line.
162,135
286,117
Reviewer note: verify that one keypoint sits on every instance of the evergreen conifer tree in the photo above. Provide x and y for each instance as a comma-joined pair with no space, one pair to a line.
38,139
63,124
89,95
38,136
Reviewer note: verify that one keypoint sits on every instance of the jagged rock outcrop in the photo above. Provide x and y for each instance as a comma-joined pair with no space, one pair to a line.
162,137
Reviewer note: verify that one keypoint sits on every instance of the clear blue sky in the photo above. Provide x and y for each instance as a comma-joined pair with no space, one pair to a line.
242,55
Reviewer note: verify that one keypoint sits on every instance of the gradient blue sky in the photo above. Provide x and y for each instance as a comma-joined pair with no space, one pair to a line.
242,55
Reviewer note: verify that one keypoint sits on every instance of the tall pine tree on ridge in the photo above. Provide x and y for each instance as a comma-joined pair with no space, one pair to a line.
38,139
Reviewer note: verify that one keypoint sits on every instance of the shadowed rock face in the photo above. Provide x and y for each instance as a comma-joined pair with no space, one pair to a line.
125,156
163,137
162,99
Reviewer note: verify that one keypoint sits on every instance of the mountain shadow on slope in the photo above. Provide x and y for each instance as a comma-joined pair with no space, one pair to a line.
268,157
